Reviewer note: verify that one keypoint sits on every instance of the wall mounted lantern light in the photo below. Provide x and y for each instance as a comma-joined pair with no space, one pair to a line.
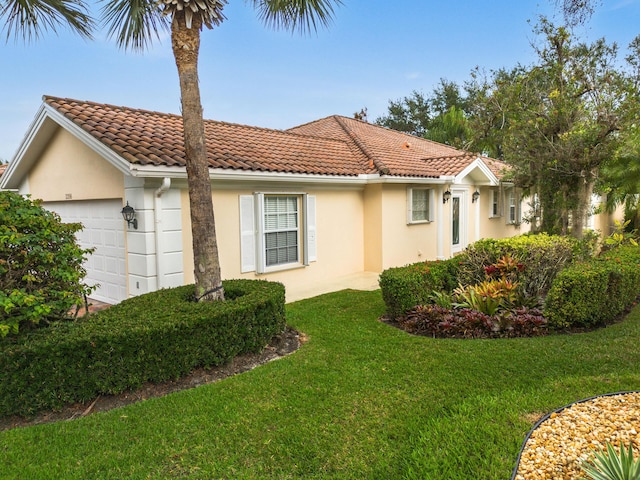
446,196
129,214
475,196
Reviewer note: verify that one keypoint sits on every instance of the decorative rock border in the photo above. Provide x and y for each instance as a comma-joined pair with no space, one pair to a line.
558,443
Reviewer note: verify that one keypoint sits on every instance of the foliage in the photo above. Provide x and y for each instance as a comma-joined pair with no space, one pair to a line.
436,321
405,287
621,236
440,117
594,292
612,465
41,268
151,338
532,260
562,121
30,19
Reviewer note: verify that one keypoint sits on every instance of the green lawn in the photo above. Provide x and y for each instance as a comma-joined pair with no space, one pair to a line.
359,400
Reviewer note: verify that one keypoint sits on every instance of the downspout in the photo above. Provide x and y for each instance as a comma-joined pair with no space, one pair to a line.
157,210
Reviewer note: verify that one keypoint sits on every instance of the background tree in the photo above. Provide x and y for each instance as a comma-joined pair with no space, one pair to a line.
563,117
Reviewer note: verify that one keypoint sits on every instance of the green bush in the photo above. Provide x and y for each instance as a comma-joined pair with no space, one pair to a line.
151,338
542,256
591,293
40,265
405,287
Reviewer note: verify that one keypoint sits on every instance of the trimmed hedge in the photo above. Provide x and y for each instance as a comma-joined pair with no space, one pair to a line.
595,292
151,338
542,255
405,287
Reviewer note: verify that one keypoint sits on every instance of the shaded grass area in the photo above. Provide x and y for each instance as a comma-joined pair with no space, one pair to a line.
360,399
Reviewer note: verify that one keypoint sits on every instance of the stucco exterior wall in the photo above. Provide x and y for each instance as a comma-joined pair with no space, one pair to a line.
404,243
69,170
339,233
497,227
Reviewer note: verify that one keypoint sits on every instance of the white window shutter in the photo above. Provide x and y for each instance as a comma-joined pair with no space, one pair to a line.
247,234
310,241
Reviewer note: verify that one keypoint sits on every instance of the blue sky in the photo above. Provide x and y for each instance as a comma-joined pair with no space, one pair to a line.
374,51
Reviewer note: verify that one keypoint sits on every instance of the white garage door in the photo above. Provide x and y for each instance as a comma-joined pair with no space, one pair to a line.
104,231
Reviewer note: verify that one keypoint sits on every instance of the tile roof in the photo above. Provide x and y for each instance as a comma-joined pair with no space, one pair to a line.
3,167
330,146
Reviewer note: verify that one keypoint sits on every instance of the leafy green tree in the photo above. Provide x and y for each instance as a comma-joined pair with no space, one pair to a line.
40,265
560,122
410,114
451,128
440,117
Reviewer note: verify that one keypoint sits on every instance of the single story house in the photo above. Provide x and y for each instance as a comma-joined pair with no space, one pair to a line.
322,201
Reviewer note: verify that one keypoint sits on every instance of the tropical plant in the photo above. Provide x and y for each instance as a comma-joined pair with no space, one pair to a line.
29,19
620,236
134,24
613,465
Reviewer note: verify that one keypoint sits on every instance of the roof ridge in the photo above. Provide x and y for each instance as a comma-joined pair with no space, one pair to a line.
373,161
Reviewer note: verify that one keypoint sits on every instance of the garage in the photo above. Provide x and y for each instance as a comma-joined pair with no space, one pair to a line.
104,231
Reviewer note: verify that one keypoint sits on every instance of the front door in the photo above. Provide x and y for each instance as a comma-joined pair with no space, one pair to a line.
458,222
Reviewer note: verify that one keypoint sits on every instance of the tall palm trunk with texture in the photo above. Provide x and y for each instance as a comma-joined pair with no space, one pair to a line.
186,46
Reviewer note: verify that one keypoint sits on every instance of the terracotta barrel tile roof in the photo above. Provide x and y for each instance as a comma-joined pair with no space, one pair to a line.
331,146
150,138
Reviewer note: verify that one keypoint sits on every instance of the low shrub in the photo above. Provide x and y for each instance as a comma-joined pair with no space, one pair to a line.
593,293
405,287
41,272
151,338
542,255
436,321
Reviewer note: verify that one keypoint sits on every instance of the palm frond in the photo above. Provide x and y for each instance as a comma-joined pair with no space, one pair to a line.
28,19
134,23
296,15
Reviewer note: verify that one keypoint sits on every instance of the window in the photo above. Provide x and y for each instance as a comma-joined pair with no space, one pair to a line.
513,206
277,231
419,205
281,237
495,203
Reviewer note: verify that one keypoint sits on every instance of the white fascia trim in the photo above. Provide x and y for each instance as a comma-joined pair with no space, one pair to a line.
480,165
442,180
89,140
22,148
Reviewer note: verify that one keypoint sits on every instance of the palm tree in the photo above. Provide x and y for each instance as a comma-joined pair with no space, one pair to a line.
29,18
134,23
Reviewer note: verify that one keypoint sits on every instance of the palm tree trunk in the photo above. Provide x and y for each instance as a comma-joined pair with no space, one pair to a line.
186,45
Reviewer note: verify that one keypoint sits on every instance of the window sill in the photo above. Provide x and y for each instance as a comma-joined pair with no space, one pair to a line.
282,268
420,222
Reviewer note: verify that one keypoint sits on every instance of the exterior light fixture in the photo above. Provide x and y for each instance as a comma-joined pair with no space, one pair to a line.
129,214
446,196
475,196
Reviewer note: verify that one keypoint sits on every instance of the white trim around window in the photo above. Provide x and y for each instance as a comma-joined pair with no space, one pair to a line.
277,231
419,205
513,207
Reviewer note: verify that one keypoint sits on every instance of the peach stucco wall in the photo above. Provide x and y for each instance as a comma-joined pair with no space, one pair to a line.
69,170
339,233
403,243
497,227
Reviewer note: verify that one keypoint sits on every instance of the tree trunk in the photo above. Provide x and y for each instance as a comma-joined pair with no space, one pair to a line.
186,46
583,202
